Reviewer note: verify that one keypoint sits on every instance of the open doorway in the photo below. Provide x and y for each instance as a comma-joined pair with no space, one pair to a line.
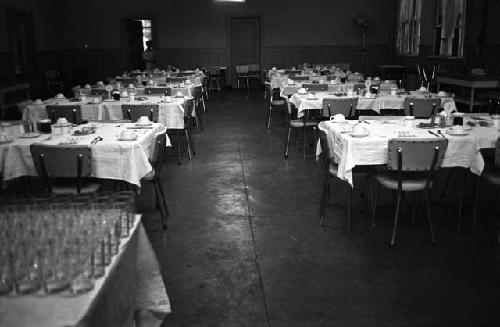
245,43
138,40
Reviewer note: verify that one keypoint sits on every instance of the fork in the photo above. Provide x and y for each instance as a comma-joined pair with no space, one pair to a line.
440,134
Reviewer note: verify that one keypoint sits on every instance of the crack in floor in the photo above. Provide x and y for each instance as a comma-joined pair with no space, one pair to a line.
252,233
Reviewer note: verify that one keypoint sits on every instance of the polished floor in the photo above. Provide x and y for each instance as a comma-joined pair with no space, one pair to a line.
244,247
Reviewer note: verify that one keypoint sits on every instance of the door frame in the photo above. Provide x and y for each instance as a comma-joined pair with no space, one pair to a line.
153,18
260,19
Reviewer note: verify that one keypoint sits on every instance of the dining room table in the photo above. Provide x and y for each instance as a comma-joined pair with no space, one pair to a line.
170,112
112,157
131,292
314,100
350,150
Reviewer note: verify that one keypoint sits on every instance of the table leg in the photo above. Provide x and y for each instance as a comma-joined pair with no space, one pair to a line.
471,106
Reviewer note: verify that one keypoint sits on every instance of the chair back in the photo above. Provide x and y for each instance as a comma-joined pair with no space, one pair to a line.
325,149
73,113
174,79
158,90
254,68
344,106
135,111
421,107
241,69
299,78
358,86
68,161
291,73
189,108
316,87
185,74
381,117
197,92
409,154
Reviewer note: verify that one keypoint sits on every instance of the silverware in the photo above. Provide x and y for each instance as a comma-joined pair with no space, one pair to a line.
46,139
431,132
441,134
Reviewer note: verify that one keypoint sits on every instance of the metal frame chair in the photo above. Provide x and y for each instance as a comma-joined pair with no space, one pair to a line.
275,100
344,106
154,176
411,166
490,175
315,87
133,112
158,90
421,107
73,113
304,123
66,162
242,74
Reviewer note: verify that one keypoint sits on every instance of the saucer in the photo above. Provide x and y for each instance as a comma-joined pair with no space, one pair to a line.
359,134
29,135
144,124
456,132
127,138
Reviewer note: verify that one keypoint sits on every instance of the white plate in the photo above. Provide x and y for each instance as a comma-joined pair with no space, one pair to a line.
456,133
144,124
359,135
29,135
127,139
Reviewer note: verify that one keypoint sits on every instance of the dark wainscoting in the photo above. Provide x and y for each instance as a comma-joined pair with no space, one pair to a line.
80,66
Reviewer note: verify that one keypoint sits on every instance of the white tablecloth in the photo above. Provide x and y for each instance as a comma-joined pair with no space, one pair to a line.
302,102
132,283
170,115
111,159
348,151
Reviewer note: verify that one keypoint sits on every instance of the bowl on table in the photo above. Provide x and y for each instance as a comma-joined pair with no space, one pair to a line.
143,121
338,118
127,135
360,131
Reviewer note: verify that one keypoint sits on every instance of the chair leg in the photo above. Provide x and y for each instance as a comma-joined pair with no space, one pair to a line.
179,146
429,217
188,142
288,141
461,200
449,173
304,144
349,202
269,117
476,204
396,217
162,208
374,196
164,201
324,199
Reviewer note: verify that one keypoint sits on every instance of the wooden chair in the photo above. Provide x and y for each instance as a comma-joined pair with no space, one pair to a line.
411,166
154,176
133,112
421,107
242,75
73,113
64,169
490,175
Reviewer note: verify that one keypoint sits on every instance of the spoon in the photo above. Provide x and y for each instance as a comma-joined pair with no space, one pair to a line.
440,134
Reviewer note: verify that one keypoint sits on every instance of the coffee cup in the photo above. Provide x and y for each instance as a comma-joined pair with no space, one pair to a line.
62,120
143,120
132,96
410,121
44,126
60,96
338,118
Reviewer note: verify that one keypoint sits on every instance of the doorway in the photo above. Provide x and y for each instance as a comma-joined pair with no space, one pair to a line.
21,40
137,33
245,43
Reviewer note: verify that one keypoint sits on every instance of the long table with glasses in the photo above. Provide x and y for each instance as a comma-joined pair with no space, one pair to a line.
170,113
111,158
308,101
128,290
349,151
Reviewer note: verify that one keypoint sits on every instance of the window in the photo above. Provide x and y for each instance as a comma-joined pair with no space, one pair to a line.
449,29
408,29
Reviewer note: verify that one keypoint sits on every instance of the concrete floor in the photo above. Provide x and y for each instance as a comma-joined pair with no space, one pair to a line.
244,247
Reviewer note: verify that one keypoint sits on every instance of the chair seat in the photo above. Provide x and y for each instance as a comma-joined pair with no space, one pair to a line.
278,103
86,188
411,181
491,175
303,123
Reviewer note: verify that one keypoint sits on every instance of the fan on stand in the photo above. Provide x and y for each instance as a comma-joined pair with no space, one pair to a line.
362,26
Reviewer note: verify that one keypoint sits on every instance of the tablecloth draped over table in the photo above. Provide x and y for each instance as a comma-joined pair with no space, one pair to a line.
348,152
112,159
131,283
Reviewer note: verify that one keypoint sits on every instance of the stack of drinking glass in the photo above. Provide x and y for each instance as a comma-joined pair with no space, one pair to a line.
60,244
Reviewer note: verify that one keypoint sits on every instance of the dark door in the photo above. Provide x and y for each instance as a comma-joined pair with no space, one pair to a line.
245,43
21,42
133,44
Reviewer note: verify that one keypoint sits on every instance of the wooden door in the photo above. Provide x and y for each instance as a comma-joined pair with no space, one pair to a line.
133,44
245,43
